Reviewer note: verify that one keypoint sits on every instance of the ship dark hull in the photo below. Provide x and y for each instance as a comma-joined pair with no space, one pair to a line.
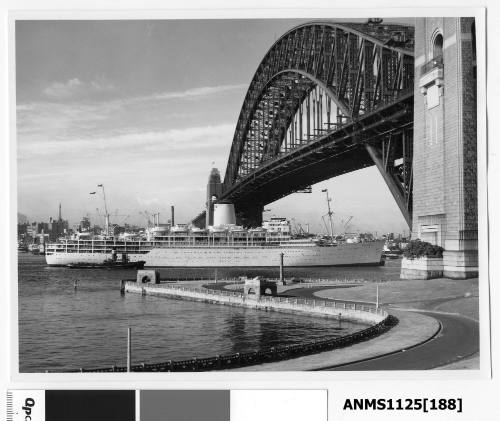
114,265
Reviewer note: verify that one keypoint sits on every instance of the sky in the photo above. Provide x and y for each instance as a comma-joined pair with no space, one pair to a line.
147,108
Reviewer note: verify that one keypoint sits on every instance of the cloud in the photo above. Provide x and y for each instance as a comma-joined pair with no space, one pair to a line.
26,107
78,115
137,143
176,159
76,88
147,201
197,92
155,147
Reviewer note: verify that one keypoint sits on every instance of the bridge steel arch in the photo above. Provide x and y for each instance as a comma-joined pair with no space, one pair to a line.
364,75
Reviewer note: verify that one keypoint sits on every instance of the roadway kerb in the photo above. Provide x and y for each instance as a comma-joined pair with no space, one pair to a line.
413,329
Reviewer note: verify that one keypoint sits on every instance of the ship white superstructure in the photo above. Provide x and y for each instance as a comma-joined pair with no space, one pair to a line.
230,247
224,244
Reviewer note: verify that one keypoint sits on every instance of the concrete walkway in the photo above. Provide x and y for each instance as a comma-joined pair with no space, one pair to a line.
412,329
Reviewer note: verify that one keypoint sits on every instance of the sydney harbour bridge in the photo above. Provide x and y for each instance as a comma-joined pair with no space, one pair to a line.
327,99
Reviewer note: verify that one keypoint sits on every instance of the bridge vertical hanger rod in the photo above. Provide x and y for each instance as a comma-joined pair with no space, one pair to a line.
301,134
316,94
328,110
405,184
320,109
295,130
308,116
314,111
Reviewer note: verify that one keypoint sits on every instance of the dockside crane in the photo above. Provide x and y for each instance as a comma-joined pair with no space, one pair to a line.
346,223
146,215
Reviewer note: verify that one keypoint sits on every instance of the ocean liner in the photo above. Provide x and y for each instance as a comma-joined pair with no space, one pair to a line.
222,245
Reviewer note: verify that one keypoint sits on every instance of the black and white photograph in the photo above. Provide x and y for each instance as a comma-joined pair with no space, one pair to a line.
249,194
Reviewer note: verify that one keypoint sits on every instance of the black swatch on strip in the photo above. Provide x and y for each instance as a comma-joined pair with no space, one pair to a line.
185,405
90,405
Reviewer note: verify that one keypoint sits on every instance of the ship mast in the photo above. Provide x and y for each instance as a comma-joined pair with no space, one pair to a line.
106,214
330,213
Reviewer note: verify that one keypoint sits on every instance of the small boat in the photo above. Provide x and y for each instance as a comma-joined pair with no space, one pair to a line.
112,263
107,264
391,255
36,248
22,247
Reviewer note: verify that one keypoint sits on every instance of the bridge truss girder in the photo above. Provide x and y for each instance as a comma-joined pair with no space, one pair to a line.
361,76
393,157
387,133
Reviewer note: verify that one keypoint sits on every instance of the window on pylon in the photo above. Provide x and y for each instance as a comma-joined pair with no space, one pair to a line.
437,50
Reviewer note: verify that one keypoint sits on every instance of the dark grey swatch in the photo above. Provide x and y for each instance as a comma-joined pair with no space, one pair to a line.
90,405
184,405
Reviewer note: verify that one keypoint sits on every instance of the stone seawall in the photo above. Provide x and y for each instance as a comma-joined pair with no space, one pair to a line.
422,268
347,311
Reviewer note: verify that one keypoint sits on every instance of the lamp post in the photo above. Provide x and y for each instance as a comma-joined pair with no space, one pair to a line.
129,349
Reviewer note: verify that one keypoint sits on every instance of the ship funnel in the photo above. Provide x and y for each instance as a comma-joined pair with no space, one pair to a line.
224,214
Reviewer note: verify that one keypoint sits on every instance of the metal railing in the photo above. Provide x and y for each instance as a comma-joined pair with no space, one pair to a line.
256,357
292,281
267,355
436,62
311,303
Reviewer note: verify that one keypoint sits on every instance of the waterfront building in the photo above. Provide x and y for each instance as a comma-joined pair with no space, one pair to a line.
85,224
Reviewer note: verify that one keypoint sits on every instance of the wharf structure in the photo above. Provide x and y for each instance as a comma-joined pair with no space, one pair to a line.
360,313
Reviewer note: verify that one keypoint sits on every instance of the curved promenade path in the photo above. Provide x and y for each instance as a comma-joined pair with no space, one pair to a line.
423,339
458,338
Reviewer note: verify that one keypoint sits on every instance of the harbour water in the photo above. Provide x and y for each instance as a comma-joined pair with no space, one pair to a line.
63,328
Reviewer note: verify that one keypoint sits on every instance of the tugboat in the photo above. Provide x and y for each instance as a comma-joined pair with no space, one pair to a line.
22,247
391,252
112,263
